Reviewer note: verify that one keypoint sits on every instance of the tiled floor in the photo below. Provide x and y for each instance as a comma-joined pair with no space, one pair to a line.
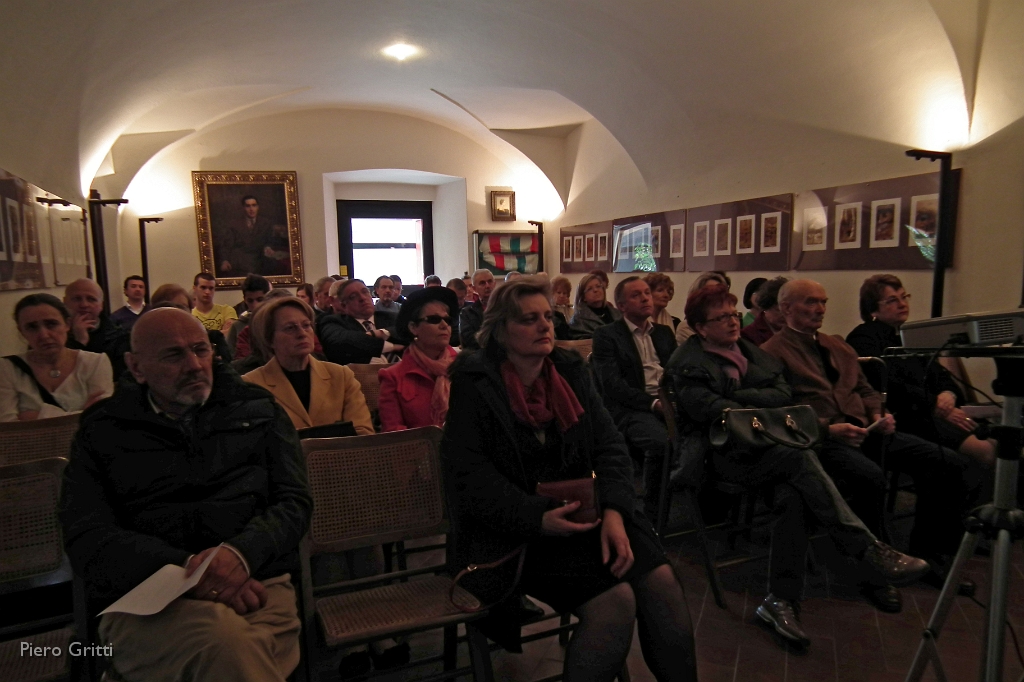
851,640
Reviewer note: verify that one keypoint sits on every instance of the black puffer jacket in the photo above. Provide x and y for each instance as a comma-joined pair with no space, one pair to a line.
143,491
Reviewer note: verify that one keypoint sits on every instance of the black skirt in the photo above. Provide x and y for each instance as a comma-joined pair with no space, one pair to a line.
566,572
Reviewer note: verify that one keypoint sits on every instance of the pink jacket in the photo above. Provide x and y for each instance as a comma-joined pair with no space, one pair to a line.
405,390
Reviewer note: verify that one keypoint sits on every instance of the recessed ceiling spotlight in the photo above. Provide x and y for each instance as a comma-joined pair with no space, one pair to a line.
401,51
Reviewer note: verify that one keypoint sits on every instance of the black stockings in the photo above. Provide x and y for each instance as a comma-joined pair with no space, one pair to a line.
604,634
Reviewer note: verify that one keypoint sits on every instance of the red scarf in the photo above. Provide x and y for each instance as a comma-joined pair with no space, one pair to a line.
549,398
438,370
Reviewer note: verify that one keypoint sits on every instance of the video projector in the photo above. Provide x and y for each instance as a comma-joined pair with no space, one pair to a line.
974,329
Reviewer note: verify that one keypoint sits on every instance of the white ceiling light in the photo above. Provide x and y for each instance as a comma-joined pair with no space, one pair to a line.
401,51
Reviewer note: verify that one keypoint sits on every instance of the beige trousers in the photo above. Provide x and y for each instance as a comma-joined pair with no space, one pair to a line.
194,641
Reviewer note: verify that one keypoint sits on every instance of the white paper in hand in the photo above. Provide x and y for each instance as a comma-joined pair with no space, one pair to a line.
154,593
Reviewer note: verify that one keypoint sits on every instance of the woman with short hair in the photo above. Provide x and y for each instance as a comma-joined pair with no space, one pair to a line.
592,307
414,392
304,292
522,412
922,395
663,290
49,380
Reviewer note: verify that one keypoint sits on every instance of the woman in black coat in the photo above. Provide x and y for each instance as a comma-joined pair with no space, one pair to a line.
922,396
521,413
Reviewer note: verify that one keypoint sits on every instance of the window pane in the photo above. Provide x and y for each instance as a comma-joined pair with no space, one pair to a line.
369,264
387,231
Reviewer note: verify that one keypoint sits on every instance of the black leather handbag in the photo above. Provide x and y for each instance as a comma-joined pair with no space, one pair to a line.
759,429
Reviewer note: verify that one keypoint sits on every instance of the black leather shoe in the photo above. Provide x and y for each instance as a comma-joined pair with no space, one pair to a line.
354,665
937,579
782,616
894,566
885,598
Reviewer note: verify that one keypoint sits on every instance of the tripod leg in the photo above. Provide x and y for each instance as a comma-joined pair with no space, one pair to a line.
926,650
996,632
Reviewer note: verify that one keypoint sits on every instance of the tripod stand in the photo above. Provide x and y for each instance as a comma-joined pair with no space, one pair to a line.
1000,520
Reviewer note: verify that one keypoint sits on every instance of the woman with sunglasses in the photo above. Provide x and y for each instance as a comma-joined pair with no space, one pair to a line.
414,392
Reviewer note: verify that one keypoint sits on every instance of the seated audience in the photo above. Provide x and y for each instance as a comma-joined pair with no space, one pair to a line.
715,370
357,333
135,294
470,291
184,461
663,290
471,316
384,290
322,297
91,328
459,287
432,281
214,316
397,281
50,380
628,360
514,274
770,320
414,392
923,396
750,300
825,374
304,292
592,309
602,275
313,393
254,289
173,296
562,330
561,297
522,411
684,331
245,347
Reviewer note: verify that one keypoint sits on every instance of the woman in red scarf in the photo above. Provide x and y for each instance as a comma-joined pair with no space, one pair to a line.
523,413
414,392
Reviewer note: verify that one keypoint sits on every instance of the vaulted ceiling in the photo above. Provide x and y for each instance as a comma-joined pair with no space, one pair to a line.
682,85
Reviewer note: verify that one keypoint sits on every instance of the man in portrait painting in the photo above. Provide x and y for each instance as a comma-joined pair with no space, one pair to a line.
251,243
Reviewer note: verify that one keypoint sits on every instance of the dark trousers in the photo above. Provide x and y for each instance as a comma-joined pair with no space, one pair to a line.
948,485
646,432
804,494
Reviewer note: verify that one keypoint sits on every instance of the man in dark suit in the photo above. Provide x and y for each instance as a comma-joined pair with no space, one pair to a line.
628,357
356,333
472,315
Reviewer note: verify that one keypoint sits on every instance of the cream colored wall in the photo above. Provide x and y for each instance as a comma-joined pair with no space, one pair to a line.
312,143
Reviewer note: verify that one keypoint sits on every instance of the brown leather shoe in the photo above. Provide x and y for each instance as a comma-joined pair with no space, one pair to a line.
781,615
896,567
884,597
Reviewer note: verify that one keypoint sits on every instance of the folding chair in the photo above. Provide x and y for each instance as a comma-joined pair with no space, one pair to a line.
370,490
37,439
32,556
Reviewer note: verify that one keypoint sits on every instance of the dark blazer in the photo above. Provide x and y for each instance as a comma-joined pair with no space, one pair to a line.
110,338
345,340
470,318
620,372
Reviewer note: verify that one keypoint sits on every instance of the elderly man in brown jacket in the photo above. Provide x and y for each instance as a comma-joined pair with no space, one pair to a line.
825,374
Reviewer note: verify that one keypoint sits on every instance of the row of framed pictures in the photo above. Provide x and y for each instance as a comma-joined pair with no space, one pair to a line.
588,248
883,231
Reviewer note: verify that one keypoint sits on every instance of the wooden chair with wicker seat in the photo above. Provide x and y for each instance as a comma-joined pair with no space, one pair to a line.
371,490
37,439
32,556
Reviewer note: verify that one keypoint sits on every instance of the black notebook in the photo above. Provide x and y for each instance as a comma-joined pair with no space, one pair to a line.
336,430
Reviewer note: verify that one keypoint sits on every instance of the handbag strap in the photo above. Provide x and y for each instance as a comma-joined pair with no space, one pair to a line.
43,393
791,425
472,568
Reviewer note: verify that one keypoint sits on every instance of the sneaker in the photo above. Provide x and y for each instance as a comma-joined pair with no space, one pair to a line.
894,566
782,616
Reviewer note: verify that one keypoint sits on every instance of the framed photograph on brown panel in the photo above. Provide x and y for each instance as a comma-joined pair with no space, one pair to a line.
577,249
248,221
503,205
591,247
723,237
815,226
566,249
885,220
676,239
745,234
602,246
848,226
771,241
924,218
701,240
656,241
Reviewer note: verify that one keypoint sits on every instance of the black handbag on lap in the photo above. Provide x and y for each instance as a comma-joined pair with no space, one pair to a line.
754,430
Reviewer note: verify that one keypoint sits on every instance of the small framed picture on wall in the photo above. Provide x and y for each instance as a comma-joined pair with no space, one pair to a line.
591,247
656,241
503,205
815,226
577,249
885,223
848,226
924,218
771,224
677,237
602,246
745,234
723,237
566,249
700,238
